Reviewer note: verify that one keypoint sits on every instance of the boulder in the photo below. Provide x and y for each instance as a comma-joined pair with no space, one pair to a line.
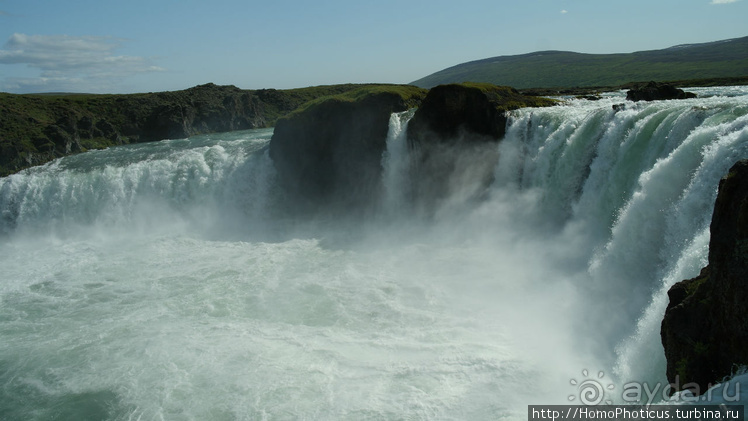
453,138
467,111
653,91
705,328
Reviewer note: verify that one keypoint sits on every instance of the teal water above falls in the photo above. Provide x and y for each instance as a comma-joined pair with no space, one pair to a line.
161,281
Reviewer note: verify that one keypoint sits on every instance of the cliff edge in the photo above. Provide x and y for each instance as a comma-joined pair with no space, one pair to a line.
705,328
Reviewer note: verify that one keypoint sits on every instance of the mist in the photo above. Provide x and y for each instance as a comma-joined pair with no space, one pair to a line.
175,279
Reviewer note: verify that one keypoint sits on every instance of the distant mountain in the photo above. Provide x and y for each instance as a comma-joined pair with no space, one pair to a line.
552,69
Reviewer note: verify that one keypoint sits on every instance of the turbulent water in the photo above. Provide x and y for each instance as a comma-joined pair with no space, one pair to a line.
160,281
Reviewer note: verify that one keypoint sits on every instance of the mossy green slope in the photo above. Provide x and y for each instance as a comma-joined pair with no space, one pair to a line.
551,69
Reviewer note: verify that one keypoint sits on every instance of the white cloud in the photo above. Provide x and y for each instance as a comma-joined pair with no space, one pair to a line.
723,1
563,12
66,61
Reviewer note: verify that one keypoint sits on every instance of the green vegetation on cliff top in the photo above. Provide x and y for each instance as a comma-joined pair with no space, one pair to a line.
410,95
506,98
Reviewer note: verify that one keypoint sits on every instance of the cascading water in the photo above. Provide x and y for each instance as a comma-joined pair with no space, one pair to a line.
155,281
395,164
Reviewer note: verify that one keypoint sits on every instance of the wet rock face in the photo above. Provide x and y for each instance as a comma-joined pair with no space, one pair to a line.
450,109
705,328
453,138
653,91
329,154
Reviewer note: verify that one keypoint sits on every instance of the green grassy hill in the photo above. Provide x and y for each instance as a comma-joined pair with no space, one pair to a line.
550,69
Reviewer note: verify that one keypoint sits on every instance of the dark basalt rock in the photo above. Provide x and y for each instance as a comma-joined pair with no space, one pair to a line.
468,111
705,328
328,154
448,109
656,91
453,136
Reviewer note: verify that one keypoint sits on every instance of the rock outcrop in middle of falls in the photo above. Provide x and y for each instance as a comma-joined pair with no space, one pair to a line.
328,154
705,328
453,137
467,112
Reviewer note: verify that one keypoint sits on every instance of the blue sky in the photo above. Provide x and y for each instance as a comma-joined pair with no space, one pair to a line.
109,46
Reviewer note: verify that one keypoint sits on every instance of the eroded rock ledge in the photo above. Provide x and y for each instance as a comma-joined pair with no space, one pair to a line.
653,91
705,328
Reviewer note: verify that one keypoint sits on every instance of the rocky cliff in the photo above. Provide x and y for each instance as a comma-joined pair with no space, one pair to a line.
35,129
705,328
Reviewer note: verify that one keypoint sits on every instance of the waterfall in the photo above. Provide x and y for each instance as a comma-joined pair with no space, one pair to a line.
638,185
167,280
396,163
630,187
198,182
